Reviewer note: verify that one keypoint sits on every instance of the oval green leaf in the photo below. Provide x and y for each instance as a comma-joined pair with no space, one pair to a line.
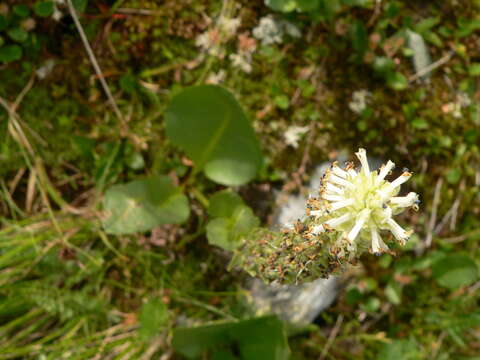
10,53
142,205
224,203
44,8
210,126
397,81
227,232
454,271
153,318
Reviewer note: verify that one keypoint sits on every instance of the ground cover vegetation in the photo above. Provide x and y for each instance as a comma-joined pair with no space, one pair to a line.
118,225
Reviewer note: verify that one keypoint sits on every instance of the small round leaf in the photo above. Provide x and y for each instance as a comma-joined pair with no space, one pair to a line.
454,271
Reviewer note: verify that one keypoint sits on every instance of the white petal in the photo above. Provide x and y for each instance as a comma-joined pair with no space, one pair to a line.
330,197
332,188
377,242
397,231
339,181
318,229
341,204
362,156
339,172
401,179
353,174
385,192
358,225
317,213
384,170
405,201
339,220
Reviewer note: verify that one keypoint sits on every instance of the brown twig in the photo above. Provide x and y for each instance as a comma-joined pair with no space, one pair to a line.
432,66
433,216
332,336
94,62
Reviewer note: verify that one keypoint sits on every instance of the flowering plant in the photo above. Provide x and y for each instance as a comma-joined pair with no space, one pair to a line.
346,219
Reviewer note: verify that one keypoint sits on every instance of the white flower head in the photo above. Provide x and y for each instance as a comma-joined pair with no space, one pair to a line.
293,135
361,204
269,31
360,99
242,61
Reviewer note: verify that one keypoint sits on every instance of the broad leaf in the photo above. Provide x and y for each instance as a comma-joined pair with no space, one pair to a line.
227,232
210,126
397,81
282,5
10,53
256,339
143,204
153,317
453,271
44,8
224,203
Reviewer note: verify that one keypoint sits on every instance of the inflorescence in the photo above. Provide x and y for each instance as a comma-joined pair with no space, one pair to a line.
346,219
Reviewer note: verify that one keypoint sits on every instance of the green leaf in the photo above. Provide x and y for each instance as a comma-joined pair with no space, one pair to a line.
224,203
18,34
282,101
400,350
474,69
426,24
454,175
383,64
210,126
44,8
21,10
226,232
80,5
454,271
393,291
282,5
359,38
396,80
153,317
466,27
128,83
308,5
143,204
420,123
3,22
255,339
10,53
